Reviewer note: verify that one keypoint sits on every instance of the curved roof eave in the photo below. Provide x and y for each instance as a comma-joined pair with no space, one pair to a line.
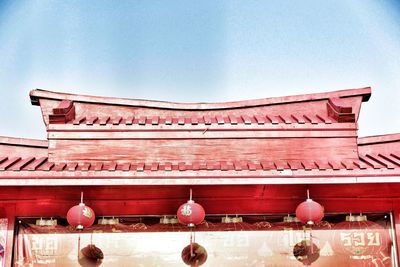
37,94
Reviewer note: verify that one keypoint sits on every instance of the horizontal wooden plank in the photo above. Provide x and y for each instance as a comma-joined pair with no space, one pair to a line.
193,134
138,171
233,125
194,181
189,150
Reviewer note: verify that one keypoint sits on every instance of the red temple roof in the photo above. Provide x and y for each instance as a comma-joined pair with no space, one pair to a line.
373,163
113,130
295,139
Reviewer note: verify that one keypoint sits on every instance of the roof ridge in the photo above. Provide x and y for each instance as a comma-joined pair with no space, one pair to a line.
36,94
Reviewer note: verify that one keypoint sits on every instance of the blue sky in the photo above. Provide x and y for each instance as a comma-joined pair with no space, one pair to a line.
198,51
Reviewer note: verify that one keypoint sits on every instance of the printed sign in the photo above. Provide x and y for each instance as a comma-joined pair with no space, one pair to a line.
3,238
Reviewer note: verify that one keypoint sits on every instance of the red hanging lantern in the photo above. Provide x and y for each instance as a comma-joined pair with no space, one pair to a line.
306,252
194,255
309,211
90,256
191,213
359,238
81,216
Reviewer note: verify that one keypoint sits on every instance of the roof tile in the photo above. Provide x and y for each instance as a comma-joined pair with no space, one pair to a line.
8,163
220,119
368,161
35,164
103,120
281,165
335,165
308,165
116,120
91,120
295,165
322,165
21,164
267,165
348,164
285,119
129,120
381,161
299,119
84,167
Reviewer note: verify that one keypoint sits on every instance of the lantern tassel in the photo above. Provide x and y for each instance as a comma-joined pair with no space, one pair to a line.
79,244
191,243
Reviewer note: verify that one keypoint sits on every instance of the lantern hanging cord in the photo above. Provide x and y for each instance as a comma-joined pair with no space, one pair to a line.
190,196
81,197
308,194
